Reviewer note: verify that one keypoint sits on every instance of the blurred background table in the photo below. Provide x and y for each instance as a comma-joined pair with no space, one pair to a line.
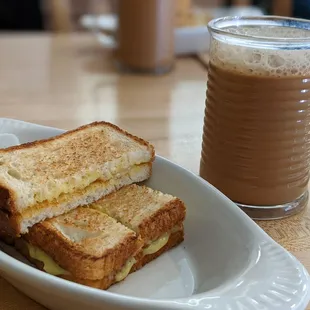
67,80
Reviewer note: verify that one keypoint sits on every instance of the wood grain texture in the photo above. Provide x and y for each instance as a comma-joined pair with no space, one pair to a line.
68,80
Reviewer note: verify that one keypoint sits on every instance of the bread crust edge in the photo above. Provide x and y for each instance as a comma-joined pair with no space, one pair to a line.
163,220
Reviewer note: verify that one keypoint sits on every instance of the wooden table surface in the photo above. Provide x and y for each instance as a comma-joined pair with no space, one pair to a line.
68,80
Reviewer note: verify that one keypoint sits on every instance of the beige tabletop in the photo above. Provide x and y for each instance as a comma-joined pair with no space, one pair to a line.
68,80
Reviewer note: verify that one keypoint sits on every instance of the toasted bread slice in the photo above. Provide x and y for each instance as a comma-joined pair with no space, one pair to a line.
14,224
175,239
108,280
148,212
86,243
34,174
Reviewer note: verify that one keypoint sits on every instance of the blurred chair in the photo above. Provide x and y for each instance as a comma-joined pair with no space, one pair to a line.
282,7
57,15
64,15
275,7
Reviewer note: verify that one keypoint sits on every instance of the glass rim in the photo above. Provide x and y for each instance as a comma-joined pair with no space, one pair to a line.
214,26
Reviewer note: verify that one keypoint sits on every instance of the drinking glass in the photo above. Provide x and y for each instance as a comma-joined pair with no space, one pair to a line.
256,140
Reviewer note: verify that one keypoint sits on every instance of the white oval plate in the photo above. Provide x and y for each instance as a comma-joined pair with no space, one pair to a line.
226,261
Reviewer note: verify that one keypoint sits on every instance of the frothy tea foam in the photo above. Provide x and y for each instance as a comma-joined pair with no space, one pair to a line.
231,56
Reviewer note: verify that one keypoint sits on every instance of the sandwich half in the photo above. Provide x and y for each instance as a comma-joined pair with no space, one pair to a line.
156,217
85,246
47,178
90,247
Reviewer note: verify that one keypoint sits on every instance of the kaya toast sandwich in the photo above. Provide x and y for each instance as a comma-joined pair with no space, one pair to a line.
89,247
50,177
83,246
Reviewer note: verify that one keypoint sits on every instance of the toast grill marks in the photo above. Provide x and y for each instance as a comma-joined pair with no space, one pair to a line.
41,171
148,212
86,243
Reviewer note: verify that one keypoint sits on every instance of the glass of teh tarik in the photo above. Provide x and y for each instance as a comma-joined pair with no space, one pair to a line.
146,35
256,140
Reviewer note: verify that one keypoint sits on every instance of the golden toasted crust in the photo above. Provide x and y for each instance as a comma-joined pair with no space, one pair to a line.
163,220
8,227
69,132
148,212
9,193
175,239
87,244
104,283
7,198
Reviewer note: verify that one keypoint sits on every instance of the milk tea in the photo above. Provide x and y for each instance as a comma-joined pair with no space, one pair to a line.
146,35
256,140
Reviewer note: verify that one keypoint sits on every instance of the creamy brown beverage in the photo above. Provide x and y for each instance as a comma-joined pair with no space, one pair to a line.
256,140
146,35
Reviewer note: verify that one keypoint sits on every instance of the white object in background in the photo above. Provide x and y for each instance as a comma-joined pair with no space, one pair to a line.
237,11
225,262
7,140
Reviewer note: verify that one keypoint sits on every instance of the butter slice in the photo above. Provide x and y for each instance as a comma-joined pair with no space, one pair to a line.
50,266
157,244
123,273
53,190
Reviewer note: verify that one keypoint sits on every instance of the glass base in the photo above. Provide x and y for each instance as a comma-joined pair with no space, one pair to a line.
278,211
156,71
